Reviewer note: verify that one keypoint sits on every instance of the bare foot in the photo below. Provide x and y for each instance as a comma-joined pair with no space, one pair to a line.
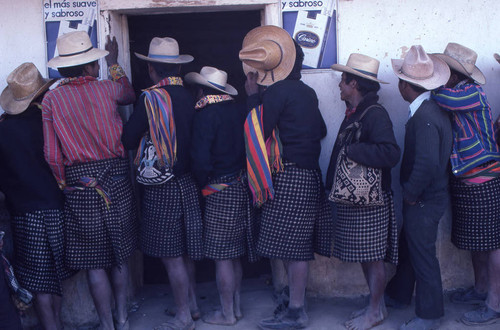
366,321
216,317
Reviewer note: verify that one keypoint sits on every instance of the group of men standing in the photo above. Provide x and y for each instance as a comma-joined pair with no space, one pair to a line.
68,186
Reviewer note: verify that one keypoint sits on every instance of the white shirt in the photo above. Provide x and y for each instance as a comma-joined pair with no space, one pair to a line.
418,102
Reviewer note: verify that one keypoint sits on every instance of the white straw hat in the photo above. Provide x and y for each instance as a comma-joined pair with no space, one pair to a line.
213,78
24,84
463,60
421,69
165,50
75,48
362,66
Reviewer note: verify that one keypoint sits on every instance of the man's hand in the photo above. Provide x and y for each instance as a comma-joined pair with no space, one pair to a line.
251,86
112,48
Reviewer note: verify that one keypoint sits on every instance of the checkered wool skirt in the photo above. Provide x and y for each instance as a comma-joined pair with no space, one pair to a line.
476,215
39,251
365,234
99,236
171,219
298,222
230,228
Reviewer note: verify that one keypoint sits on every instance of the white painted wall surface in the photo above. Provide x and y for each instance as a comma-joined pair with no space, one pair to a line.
383,29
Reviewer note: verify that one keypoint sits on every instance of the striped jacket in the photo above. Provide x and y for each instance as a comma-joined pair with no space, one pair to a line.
473,133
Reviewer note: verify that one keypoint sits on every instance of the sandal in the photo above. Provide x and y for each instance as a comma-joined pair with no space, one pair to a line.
468,296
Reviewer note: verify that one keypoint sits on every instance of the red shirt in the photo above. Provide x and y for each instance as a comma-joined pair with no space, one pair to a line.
81,122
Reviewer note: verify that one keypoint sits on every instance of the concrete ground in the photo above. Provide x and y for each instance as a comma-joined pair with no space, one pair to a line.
257,303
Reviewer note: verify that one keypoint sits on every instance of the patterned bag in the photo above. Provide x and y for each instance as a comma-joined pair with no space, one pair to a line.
353,183
149,171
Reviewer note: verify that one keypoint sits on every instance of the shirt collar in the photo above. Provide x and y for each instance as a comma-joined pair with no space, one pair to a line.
418,102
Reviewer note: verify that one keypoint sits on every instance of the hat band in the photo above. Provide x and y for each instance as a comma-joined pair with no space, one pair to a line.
162,56
272,69
25,97
371,74
217,85
77,53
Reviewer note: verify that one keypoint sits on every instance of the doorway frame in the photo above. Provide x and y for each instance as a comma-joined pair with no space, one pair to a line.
113,19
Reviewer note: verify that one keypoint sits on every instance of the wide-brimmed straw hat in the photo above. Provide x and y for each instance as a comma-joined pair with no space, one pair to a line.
165,50
270,51
24,84
213,78
421,69
75,48
362,66
463,60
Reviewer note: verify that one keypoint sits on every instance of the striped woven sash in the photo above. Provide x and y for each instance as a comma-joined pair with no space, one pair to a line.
262,157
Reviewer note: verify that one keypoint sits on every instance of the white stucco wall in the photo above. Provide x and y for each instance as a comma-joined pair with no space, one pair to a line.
383,29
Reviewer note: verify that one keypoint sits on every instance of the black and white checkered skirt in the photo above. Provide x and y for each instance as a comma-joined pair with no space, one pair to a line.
476,215
229,221
99,237
298,221
365,234
171,219
39,251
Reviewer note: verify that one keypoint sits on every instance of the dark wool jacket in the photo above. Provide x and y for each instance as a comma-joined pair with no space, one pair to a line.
25,177
292,107
428,144
218,145
183,109
377,146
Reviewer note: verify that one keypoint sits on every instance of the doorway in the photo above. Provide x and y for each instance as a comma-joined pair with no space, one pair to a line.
214,39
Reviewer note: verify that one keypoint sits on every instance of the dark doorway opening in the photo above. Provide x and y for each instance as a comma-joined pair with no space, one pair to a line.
213,39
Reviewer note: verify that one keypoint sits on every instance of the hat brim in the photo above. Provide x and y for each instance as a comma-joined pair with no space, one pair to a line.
348,69
476,74
87,57
280,36
12,106
196,78
439,77
181,59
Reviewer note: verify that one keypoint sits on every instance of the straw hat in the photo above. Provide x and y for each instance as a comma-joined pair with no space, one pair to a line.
24,84
497,57
362,66
165,50
463,60
75,48
270,51
421,69
213,78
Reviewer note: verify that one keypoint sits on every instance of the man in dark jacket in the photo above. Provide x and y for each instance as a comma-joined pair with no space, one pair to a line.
424,179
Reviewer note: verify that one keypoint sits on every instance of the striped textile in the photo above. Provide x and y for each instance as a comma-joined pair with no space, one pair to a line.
158,106
80,121
22,294
212,188
483,173
262,157
473,133
212,99
476,215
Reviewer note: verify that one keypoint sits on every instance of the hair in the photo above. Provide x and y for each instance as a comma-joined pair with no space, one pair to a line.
365,86
460,75
165,69
419,90
210,91
299,59
74,71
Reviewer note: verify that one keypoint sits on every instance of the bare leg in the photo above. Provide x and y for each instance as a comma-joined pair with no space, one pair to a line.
179,281
480,265
56,305
375,312
100,289
226,286
297,280
193,304
238,276
493,300
45,309
119,279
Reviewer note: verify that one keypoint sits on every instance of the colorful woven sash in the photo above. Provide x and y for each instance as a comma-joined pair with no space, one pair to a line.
211,99
213,188
22,294
262,157
161,124
89,182
482,173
